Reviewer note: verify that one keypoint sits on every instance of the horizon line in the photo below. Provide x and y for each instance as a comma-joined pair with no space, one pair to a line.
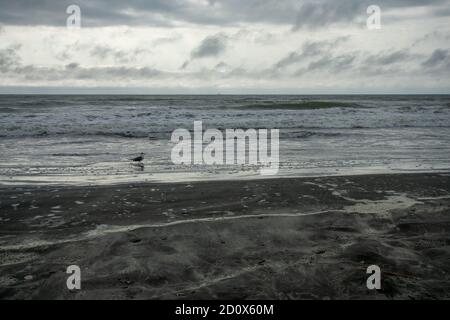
142,91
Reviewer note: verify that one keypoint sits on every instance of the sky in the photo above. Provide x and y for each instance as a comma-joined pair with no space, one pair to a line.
225,46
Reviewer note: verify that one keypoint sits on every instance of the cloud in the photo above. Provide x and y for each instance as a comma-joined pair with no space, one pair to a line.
323,13
184,65
74,71
318,14
438,58
169,13
323,57
235,57
121,56
338,67
9,58
435,35
386,58
165,40
332,63
310,49
211,46
292,58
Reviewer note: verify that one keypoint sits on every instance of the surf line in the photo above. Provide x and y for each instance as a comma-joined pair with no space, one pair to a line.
103,230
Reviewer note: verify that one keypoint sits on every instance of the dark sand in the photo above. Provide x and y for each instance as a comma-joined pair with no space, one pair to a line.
263,239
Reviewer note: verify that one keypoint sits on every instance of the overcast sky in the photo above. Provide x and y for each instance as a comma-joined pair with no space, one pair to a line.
225,46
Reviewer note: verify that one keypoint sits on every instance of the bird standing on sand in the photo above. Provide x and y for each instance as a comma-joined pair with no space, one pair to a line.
139,159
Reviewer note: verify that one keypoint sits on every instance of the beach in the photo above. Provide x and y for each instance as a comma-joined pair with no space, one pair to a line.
241,152
283,238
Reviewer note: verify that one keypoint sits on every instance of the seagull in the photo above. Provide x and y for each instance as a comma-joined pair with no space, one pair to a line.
138,159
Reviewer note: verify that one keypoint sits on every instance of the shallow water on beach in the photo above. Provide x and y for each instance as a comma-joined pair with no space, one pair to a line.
90,139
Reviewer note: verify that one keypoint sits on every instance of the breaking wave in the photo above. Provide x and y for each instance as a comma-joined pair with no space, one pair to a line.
302,105
155,117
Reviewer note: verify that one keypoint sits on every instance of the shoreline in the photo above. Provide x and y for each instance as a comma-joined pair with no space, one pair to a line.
284,238
45,184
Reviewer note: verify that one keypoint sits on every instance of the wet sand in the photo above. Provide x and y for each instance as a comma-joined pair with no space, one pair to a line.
302,238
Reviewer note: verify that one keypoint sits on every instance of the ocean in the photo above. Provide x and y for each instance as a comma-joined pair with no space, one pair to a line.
89,139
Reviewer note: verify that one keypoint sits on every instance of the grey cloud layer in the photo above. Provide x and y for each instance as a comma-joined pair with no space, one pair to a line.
315,57
297,13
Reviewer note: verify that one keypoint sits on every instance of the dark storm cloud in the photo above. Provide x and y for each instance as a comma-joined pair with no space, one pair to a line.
211,46
298,13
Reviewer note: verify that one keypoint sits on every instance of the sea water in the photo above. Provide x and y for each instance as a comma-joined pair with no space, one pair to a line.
89,139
